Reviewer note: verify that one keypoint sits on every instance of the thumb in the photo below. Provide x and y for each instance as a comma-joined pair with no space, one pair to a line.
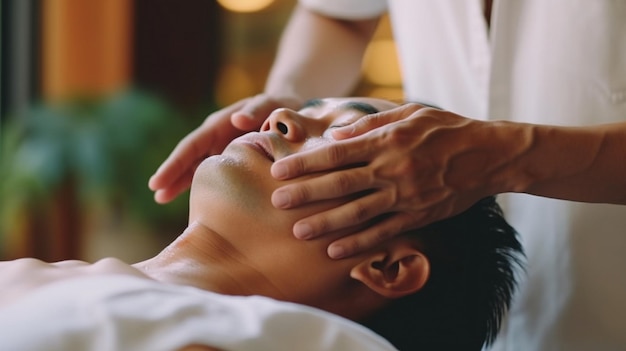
251,115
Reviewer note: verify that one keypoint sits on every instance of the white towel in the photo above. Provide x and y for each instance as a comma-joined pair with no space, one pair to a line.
120,312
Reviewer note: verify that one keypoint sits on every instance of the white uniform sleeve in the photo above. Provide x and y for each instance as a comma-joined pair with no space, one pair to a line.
347,9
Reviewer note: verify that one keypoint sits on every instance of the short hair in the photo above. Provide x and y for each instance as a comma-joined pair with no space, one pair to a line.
474,259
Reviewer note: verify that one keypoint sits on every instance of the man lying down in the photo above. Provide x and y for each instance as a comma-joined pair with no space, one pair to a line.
237,279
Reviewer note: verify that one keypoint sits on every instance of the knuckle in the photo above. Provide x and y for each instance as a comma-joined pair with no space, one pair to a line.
410,193
370,121
395,137
360,213
297,166
321,225
428,110
390,199
343,183
383,234
401,172
406,167
414,106
354,246
336,154
300,193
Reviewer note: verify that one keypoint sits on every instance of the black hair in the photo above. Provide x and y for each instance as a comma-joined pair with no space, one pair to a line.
474,258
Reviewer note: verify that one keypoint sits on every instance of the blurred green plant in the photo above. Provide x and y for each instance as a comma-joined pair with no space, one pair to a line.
107,147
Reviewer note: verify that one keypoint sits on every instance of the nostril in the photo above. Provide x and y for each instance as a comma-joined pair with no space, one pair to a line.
282,127
265,127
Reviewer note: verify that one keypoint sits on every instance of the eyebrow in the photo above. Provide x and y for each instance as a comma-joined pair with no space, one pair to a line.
351,105
359,106
313,103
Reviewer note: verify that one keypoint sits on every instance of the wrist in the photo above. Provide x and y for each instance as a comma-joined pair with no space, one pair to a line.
509,167
547,159
575,163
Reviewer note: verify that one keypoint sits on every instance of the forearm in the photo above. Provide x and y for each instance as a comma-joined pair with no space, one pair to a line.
574,163
318,56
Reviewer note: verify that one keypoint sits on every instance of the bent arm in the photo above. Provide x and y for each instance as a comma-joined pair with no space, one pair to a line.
585,164
318,56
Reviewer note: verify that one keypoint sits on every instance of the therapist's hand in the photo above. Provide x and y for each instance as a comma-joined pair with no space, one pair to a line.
219,128
416,164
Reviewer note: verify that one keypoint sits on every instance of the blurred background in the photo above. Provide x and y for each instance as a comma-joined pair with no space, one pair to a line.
94,95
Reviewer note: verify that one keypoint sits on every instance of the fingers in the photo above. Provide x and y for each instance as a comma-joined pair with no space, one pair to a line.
350,214
327,157
208,139
359,242
329,186
363,125
175,164
175,174
165,195
252,113
185,156
373,121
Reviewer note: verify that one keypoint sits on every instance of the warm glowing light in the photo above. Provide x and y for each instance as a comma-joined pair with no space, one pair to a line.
388,93
380,64
233,84
245,5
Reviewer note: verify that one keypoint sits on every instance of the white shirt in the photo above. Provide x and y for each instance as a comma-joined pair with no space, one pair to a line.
542,61
126,313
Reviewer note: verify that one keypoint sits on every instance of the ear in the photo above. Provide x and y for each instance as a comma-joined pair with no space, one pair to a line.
398,271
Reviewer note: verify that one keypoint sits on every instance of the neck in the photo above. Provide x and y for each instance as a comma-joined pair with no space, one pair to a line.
203,258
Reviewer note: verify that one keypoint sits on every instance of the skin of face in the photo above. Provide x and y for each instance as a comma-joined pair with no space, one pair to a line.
231,195
237,242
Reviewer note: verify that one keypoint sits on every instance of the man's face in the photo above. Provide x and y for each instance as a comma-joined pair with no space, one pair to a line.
231,195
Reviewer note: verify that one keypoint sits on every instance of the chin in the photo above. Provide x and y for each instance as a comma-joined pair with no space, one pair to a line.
232,182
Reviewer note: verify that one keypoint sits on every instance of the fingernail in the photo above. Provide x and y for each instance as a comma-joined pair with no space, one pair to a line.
303,231
336,252
281,199
279,171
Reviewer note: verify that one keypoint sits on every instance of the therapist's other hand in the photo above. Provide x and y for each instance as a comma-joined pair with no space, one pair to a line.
415,164
211,137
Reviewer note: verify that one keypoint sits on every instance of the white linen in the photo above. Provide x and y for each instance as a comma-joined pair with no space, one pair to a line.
542,61
120,312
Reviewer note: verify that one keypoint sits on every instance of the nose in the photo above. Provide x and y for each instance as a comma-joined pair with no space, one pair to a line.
287,123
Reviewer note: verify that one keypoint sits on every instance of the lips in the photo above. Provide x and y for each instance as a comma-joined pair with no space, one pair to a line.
260,144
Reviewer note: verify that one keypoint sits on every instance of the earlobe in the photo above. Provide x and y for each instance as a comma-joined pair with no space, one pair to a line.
398,271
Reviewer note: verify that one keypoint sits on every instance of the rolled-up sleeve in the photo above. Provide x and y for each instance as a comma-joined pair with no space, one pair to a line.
347,9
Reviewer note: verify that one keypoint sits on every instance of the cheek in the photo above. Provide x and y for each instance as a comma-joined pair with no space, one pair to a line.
313,143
